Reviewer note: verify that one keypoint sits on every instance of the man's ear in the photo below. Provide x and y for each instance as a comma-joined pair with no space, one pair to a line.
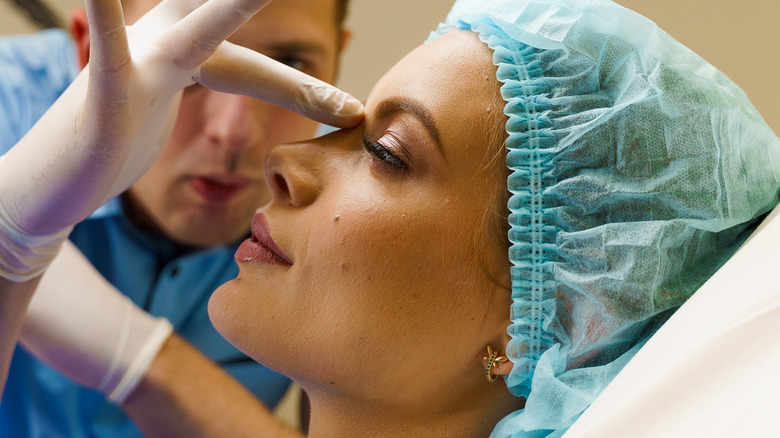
79,30
346,37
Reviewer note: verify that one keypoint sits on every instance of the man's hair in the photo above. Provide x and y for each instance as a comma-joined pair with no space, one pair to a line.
342,6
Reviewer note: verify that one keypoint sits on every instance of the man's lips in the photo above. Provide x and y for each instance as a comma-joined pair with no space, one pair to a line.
218,188
261,246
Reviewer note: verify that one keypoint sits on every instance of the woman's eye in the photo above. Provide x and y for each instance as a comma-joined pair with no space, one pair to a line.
384,154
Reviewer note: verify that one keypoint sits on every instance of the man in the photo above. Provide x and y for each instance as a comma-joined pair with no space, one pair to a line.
169,241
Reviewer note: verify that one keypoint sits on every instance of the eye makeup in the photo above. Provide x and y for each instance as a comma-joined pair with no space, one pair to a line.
385,155
402,138
401,105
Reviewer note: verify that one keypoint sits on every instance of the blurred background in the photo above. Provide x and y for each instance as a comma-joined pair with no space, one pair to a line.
739,38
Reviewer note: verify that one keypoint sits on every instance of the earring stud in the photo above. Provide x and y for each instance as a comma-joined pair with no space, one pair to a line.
493,359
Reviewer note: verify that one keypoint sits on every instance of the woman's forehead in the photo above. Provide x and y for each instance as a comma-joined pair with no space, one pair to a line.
453,78
457,62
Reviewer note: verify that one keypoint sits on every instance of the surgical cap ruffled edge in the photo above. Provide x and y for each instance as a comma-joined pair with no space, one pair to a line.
533,304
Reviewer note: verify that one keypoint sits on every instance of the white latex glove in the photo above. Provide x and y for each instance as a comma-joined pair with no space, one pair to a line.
711,370
112,122
82,326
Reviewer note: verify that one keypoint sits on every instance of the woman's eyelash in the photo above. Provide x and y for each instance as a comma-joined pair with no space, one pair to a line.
383,154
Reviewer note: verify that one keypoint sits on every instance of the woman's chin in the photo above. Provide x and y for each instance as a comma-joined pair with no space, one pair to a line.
226,315
246,321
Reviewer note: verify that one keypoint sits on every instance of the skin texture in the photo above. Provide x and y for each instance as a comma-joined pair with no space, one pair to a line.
398,282
206,184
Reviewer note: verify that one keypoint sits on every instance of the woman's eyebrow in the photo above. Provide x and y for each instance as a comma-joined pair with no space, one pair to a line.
415,108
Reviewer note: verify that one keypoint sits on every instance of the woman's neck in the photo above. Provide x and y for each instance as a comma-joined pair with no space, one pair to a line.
473,416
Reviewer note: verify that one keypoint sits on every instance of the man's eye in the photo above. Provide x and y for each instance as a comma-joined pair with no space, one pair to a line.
292,61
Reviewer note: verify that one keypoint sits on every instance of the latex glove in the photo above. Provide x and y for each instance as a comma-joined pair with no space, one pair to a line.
79,324
112,122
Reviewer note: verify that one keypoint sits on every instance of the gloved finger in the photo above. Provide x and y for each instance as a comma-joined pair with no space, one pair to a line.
110,63
168,12
238,70
193,39
109,50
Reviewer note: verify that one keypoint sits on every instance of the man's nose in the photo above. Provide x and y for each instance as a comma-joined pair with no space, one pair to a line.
235,121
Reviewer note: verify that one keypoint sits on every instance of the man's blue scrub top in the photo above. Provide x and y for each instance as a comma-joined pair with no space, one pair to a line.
153,272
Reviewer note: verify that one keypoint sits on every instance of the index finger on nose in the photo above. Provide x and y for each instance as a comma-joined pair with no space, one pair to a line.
236,69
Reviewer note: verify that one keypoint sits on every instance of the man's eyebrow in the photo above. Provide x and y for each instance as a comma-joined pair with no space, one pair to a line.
413,107
297,46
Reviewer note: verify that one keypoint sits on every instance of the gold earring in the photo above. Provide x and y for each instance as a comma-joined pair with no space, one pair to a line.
492,360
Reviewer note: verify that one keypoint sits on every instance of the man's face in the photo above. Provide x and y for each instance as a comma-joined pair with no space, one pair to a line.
208,181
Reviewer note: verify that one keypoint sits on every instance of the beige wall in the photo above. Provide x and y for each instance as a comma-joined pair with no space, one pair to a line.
384,31
740,38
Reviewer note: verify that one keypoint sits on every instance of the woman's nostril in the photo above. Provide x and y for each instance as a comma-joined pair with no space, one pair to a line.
281,183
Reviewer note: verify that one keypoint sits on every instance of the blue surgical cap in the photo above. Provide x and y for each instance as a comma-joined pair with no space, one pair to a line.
636,170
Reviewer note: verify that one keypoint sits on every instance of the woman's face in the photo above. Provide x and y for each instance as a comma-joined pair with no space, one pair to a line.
391,275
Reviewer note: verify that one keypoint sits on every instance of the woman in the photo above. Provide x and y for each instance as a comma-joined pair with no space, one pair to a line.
351,253
378,276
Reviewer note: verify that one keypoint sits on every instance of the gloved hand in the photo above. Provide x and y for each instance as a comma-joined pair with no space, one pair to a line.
112,122
82,326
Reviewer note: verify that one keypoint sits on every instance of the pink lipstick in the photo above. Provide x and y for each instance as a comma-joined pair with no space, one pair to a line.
261,246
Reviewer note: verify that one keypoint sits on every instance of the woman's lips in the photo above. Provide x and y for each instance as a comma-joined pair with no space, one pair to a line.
218,189
261,246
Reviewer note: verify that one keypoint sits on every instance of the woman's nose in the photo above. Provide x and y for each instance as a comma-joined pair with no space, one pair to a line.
293,172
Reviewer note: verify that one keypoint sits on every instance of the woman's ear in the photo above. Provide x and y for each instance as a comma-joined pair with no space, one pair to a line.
499,365
503,368
494,358
79,29
494,335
